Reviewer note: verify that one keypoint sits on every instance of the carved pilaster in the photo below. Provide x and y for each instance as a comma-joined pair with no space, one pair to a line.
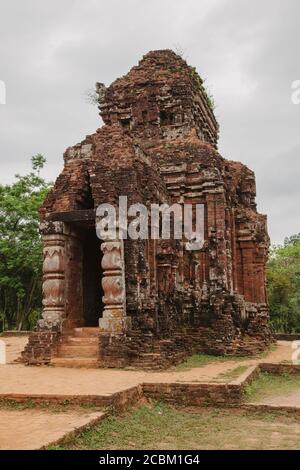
54,278
114,318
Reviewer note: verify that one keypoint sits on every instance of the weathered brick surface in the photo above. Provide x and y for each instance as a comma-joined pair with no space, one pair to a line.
280,369
194,394
42,344
159,144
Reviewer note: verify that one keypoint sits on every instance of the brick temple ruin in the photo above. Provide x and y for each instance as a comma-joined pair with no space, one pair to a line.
150,303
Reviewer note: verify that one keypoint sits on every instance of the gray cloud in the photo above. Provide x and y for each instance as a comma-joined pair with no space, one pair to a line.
51,53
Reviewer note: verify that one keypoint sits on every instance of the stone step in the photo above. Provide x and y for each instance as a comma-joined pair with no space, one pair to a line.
86,331
150,355
146,366
84,362
78,350
148,361
81,340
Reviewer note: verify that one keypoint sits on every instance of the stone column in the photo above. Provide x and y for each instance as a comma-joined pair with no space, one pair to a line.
44,338
114,320
54,274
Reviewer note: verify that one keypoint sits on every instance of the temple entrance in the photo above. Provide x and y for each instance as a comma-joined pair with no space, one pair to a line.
82,278
91,278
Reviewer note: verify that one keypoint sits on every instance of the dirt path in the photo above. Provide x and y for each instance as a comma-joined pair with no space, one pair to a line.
290,399
17,378
32,429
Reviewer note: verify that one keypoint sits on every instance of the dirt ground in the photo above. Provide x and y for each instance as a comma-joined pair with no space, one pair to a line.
25,429
290,399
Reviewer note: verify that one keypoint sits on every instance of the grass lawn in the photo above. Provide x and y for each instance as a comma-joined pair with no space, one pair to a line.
162,427
269,385
232,374
201,359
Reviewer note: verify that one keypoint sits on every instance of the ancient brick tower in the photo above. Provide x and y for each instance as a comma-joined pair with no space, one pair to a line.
151,302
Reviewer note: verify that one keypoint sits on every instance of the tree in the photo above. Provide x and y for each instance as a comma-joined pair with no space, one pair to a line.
283,274
292,240
20,247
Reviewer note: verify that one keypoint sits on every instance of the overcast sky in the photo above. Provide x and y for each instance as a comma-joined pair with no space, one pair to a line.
51,52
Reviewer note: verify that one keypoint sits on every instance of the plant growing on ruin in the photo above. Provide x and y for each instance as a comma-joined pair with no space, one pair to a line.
204,89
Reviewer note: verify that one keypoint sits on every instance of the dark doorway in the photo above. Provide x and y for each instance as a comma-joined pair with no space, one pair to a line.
91,279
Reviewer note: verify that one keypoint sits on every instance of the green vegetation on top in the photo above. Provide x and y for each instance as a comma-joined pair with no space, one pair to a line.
200,85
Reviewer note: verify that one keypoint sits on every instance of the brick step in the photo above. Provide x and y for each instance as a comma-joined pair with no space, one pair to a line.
153,362
84,362
150,355
86,332
148,361
149,367
81,340
78,350
146,350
